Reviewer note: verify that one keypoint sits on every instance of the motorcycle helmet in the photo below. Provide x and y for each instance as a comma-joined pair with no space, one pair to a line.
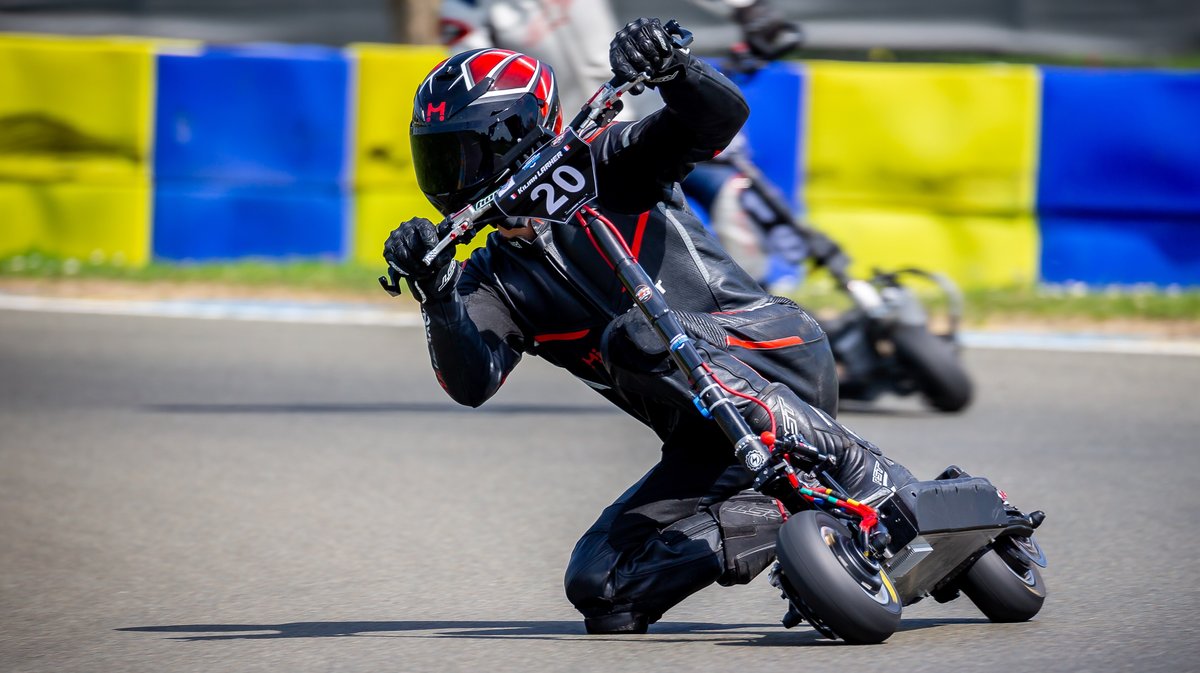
469,114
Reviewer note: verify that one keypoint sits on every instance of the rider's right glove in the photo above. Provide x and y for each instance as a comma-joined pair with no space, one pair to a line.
643,46
405,248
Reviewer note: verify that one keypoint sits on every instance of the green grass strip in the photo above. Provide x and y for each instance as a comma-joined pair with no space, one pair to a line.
300,273
1076,301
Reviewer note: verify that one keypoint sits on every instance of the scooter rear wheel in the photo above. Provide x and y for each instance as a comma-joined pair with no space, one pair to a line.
1004,588
825,569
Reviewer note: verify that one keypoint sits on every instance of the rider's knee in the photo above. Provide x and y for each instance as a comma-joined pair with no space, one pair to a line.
588,579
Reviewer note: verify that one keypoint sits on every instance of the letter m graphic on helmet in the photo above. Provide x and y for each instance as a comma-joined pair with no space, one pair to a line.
440,109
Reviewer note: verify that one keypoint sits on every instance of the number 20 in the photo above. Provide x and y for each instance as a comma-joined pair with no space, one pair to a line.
566,177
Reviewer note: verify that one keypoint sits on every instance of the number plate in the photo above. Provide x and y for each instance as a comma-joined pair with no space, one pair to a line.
554,183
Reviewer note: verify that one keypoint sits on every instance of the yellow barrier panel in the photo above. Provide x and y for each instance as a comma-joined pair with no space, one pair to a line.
929,165
384,183
75,137
977,251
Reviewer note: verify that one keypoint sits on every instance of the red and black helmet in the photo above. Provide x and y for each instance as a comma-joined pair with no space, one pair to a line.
470,111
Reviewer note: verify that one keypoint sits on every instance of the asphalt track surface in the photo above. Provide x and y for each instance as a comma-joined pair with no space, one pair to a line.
183,495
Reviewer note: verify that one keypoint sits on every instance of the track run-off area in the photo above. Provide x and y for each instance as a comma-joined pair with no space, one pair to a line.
203,496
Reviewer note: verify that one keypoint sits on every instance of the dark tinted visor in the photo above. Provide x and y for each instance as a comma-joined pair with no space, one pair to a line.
454,159
448,163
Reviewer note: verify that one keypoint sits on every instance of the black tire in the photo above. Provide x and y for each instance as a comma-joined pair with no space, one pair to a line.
809,559
1004,588
934,364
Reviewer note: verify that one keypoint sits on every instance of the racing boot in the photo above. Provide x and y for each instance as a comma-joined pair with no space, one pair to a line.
860,469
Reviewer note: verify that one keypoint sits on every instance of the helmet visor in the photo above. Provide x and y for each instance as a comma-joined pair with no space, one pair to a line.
450,164
455,159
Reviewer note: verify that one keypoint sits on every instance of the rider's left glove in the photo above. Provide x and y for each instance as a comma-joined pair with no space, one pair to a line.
643,46
404,250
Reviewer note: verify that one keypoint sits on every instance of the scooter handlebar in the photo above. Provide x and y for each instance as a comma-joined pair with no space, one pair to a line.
460,226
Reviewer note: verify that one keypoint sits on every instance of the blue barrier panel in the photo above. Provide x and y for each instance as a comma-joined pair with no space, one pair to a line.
1099,250
269,113
221,220
251,153
1119,181
776,124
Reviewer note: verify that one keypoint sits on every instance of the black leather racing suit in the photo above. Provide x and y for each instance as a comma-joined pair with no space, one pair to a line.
685,524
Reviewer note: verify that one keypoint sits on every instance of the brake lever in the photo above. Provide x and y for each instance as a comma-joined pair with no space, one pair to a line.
681,37
391,282
809,454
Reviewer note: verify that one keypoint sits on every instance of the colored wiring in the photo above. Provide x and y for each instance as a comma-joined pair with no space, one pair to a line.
827,495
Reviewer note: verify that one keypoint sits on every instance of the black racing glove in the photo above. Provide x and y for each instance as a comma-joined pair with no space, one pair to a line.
405,248
767,33
642,46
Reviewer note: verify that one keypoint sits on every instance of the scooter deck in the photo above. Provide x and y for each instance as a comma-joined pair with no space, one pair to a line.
936,526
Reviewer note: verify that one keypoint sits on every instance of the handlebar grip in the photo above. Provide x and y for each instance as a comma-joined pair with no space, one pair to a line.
681,38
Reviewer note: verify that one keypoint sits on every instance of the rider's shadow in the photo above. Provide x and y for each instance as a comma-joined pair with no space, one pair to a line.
341,629
534,630
418,407
808,637
736,635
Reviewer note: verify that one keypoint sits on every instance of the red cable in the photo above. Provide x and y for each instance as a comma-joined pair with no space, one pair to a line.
869,517
588,230
744,396
611,227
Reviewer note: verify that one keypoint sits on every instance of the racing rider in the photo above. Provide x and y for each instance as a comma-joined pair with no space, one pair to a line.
545,289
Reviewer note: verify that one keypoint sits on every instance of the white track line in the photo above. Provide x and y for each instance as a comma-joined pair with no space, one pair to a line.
350,314
1080,343
324,314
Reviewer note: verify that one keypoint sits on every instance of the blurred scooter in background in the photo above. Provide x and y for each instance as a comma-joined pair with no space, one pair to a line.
885,342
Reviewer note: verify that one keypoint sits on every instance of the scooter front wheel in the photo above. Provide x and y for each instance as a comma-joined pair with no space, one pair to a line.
828,578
